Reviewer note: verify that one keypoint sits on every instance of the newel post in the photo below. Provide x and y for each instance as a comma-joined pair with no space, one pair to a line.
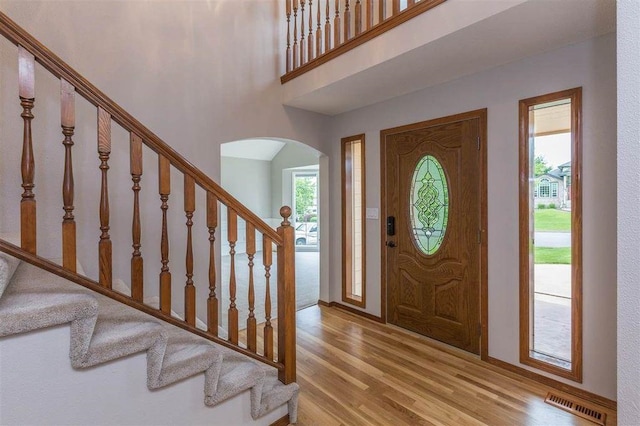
286,299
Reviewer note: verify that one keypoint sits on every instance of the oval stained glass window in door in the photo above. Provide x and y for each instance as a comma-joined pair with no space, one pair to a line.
429,204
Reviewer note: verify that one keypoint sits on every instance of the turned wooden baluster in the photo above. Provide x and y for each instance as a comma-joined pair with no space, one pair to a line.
164,176
382,10
358,18
318,32
327,28
68,120
396,7
104,246
295,34
26,77
251,320
137,263
267,260
286,299
189,289
232,237
347,20
369,13
303,59
212,301
288,11
336,26
310,49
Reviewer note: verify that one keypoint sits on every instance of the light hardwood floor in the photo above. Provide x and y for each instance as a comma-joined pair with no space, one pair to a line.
353,371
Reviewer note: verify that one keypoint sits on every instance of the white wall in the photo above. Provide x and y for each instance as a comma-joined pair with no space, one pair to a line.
196,73
628,207
108,394
249,181
590,65
292,155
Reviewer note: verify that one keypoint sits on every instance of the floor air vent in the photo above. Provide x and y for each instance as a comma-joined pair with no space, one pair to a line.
576,408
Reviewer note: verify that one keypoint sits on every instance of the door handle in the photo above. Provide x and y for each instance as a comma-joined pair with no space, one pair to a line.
390,244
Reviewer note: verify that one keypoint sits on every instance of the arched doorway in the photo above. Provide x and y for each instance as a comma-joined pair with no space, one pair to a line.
265,174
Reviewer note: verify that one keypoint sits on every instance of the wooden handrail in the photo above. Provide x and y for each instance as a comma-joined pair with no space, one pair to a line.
18,36
31,51
346,38
58,270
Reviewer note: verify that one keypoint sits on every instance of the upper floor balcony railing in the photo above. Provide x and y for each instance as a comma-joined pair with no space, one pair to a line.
320,30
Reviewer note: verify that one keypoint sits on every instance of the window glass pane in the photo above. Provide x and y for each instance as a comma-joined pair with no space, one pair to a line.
429,205
356,229
550,216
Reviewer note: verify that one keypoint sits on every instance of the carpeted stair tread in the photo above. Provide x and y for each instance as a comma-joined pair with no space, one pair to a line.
103,330
187,355
20,313
30,279
113,339
235,377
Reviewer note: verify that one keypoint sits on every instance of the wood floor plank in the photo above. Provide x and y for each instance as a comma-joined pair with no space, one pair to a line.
353,371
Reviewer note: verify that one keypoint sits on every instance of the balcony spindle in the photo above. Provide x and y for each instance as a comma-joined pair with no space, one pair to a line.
164,177
336,26
212,301
296,62
267,260
382,10
358,18
68,120
396,7
347,21
288,11
310,45
251,320
410,3
327,28
318,31
189,289
137,263
232,237
26,77
104,246
303,59
369,4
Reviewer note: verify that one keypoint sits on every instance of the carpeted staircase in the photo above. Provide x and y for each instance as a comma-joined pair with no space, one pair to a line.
103,330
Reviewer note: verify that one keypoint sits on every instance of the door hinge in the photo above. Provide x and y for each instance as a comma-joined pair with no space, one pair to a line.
479,329
478,143
479,236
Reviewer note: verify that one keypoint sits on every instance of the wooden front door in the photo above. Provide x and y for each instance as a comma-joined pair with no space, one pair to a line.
433,184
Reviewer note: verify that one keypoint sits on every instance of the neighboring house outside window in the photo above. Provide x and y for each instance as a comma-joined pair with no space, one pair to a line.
554,187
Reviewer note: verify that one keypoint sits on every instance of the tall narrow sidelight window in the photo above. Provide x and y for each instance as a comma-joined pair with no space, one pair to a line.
353,223
551,233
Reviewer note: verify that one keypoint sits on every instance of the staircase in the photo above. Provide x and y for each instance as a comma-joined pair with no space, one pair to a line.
108,322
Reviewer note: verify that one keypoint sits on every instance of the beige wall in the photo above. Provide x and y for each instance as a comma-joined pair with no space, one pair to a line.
590,65
193,72
628,44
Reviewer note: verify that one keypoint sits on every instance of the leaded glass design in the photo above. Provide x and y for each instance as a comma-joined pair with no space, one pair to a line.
429,204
